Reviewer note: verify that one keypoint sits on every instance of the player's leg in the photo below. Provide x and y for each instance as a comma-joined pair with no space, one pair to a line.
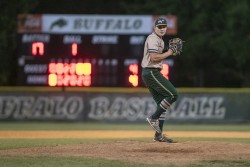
167,95
160,88
160,137
161,121
163,92
149,82
157,98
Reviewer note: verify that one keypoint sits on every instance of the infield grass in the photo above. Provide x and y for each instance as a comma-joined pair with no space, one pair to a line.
119,126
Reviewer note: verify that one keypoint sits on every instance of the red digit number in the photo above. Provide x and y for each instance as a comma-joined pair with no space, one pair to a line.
133,77
37,48
74,49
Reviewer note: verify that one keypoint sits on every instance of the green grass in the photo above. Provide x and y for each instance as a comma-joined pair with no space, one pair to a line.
119,126
64,162
28,143
25,143
94,162
220,163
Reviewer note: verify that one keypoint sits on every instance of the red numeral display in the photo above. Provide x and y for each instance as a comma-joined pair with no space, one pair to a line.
69,74
133,77
74,49
37,48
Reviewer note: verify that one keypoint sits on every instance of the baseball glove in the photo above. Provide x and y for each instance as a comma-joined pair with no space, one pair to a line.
175,45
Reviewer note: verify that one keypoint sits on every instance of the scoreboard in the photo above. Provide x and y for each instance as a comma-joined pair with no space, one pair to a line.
84,50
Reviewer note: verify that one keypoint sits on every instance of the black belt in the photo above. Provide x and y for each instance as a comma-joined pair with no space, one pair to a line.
152,68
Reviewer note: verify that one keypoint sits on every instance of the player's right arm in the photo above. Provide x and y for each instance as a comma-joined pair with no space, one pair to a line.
155,57
154,49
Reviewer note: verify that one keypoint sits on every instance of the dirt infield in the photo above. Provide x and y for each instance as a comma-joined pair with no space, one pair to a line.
133,150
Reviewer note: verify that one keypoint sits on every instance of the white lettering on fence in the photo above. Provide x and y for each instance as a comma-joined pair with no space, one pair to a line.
104,108
29,107
139,108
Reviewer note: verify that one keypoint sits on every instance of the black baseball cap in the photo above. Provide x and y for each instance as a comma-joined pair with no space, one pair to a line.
161,21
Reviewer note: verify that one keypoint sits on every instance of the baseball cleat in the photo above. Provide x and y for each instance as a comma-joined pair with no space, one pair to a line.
154,123
163,138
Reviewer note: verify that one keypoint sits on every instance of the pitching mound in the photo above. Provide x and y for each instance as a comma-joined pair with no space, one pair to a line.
144,152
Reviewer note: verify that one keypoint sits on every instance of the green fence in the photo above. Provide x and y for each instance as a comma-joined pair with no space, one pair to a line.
121,104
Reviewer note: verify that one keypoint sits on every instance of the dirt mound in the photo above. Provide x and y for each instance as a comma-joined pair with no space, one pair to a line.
144,152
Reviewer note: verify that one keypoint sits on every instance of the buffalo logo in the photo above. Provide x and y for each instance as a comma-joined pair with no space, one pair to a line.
58,23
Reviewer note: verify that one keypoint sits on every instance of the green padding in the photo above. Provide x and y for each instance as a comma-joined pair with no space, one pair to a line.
120,89
29,89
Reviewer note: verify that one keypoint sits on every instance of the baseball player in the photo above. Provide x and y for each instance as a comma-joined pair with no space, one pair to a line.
162,90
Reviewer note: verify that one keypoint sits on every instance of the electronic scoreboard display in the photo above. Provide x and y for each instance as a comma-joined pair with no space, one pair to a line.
84,50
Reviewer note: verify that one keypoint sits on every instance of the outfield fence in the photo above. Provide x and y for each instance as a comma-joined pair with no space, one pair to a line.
121,104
